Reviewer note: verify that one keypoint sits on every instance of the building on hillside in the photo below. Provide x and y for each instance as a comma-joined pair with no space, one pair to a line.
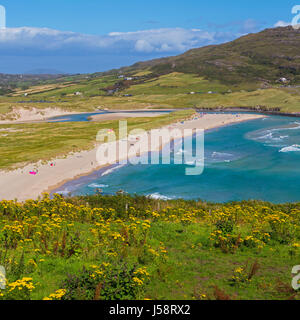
283,80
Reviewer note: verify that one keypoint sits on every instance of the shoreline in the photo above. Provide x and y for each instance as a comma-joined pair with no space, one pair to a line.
34,115
252,110
19,184
52,190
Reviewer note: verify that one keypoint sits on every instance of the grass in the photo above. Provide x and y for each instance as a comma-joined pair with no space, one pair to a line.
166,91
176,83
132,247
21,144
271,98
87,87
41,88
194,268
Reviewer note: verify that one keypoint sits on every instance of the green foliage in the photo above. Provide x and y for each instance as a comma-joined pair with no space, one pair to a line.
113,282
132,247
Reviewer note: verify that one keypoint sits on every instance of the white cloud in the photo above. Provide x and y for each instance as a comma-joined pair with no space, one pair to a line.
147,41
281,23
143,46
170,39
26,48
46,39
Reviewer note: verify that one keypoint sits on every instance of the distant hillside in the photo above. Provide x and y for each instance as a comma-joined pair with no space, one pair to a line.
9,82
264,57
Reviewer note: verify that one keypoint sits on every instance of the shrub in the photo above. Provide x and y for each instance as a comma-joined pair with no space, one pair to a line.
107,282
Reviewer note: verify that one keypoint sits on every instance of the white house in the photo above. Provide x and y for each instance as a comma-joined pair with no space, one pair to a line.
284,80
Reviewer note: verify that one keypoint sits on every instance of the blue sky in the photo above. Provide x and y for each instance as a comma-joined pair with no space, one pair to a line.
94,35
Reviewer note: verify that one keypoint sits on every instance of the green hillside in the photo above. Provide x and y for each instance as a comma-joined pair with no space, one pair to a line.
262,57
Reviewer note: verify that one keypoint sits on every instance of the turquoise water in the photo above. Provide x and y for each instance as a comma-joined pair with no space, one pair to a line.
81,117
258,159
85,117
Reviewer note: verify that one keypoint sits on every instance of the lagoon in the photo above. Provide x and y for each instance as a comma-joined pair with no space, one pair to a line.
86,116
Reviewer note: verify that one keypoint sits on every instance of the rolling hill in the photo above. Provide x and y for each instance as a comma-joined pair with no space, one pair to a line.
263,57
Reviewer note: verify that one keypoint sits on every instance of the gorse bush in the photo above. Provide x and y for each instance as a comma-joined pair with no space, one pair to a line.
117,247
225,225
107,282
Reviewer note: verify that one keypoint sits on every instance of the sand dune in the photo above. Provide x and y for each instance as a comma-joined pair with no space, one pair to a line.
19,115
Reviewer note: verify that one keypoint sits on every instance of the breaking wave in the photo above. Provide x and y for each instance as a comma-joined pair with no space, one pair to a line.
112,169
158,196
95,185
293,148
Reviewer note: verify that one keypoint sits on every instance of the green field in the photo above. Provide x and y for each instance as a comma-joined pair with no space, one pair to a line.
165,91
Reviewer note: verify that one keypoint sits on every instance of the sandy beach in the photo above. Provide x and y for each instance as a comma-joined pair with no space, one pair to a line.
21,185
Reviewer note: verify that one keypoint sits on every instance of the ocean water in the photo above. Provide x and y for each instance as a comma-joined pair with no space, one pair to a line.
258,159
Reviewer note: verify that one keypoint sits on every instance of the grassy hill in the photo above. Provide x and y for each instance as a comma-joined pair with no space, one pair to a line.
261,58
